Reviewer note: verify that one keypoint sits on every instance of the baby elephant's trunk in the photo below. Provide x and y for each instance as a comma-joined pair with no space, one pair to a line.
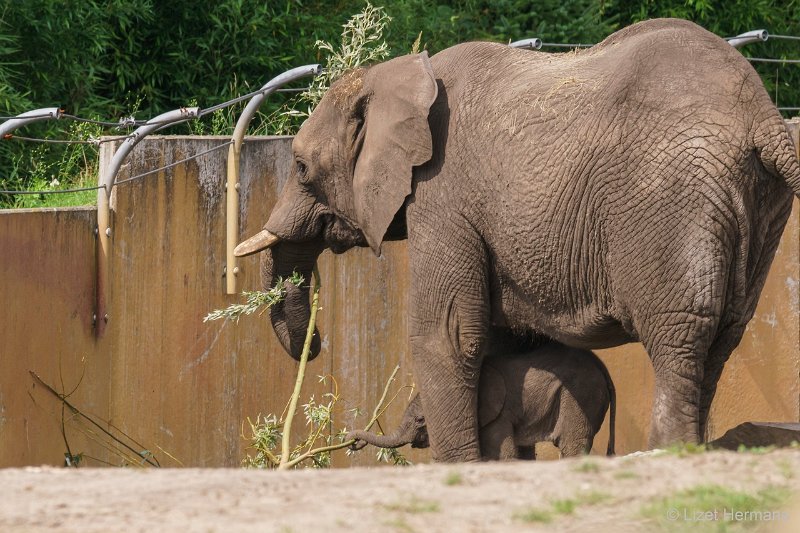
362,438
412,430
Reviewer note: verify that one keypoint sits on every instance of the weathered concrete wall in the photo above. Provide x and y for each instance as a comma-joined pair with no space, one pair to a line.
47,291
183,388
176,385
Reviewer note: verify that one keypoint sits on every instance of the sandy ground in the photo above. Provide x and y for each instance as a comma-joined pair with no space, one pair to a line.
606,494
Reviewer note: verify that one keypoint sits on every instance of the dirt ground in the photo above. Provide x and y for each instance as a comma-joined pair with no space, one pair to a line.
651,492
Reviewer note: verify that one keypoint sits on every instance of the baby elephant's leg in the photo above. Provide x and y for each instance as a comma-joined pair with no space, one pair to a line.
574,434
497,441
526,453
575,445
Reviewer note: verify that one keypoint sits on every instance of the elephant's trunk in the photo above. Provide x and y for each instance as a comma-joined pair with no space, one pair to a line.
412,429
393,440
290,317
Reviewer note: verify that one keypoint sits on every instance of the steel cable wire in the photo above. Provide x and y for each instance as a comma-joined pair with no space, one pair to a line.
770,60
174,164
132,178
57,191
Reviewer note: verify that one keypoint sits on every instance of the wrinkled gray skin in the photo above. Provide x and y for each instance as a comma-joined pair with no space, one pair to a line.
553,394
634,191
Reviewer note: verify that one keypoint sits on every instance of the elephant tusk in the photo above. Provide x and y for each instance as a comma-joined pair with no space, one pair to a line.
260,241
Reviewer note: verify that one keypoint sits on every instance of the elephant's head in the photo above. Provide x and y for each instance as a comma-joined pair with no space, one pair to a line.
353,161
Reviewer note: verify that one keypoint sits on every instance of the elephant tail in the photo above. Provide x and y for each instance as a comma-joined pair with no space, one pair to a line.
777,145
612,404
612,416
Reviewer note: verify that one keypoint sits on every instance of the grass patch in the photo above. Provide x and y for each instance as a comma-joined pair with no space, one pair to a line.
399,524
568,505
626,474
563,506
453,478
787,471
587,467
414,506
756,450
534,515
73,199
593,498
685,449
711,507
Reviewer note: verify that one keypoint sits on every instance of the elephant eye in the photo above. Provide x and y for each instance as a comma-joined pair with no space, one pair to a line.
301,169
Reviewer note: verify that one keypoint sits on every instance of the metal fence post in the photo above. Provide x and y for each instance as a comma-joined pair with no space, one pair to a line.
106,181
234,153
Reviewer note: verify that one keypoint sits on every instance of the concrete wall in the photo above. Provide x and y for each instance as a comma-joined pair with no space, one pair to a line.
183,388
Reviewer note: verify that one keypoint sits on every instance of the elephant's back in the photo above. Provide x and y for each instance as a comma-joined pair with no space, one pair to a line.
667,59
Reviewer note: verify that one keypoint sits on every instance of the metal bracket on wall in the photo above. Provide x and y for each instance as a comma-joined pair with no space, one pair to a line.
106,183
234,153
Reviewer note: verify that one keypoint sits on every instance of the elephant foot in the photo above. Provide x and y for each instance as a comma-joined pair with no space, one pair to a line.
674,422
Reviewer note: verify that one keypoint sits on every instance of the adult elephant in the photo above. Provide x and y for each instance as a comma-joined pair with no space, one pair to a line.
636,190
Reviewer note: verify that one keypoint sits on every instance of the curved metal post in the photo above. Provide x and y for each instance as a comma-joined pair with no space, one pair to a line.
106,181
754,36
45,113
234,152
534,43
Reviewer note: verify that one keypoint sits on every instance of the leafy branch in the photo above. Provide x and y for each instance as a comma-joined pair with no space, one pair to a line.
362,42
254,300
266,432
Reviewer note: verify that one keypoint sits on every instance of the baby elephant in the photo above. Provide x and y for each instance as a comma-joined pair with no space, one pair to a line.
552,394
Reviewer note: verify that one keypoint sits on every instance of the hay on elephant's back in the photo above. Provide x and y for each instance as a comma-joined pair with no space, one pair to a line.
346,87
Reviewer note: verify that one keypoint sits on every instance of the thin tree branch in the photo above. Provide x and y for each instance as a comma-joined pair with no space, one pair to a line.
77,411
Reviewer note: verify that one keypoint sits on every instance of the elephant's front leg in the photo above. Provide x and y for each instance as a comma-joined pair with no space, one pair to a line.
448,323
448,382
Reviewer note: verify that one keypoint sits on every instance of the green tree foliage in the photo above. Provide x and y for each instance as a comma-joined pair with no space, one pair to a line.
99,56
103,58
69,50
446,23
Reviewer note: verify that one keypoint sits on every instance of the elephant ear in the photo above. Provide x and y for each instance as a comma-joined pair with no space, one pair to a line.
491,395
396,98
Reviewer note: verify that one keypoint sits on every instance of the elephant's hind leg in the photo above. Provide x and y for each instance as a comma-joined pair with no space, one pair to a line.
718,355
575,446
678,353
